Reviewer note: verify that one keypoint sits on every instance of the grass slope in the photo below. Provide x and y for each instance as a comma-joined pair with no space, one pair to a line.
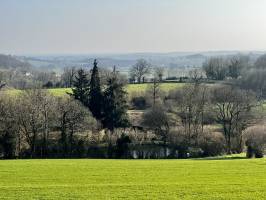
164,87
133,179
130,88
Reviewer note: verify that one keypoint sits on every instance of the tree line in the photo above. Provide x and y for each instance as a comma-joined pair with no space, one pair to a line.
31,119
95,120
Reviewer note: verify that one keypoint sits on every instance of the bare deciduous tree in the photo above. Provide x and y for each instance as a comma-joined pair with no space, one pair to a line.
254,79
233,107
158,120
8,128
191,102
158,73
68,76
215,68
153,91
141,68
35,116
72,117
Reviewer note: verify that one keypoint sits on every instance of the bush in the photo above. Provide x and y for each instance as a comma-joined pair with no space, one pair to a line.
171,78
208,143
49,84
211,143
122,148
8,128
97,152
194,152
255,138
7,145
177,139
139,103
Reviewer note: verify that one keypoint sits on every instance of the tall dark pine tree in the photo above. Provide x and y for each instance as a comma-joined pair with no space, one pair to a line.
115,104
81,87
95,93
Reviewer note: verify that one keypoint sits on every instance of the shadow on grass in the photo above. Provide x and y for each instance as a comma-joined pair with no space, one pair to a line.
230,157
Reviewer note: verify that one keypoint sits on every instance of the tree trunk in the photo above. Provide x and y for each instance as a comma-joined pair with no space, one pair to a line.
71,141
229,151
165,149
139,79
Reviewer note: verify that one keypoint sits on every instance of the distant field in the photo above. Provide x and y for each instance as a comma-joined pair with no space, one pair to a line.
221,178
131,88
164,86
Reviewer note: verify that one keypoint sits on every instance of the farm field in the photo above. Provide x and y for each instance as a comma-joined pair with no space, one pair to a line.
217,178
131,88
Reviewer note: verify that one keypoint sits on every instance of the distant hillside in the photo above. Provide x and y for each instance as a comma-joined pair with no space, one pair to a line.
178,60
11,62
196,56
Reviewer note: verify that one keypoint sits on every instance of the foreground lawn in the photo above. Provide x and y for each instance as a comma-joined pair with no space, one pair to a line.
133,179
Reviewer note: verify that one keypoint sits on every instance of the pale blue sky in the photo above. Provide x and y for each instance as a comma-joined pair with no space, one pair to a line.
122,26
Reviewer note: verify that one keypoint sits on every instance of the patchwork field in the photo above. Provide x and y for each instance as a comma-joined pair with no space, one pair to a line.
223,178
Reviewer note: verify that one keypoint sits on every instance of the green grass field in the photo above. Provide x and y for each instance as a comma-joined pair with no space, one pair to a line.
164,86
131,88
222,178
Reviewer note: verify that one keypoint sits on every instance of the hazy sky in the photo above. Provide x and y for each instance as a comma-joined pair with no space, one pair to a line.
122,26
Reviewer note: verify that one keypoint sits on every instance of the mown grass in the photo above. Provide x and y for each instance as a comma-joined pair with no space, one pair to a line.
130,88
133,179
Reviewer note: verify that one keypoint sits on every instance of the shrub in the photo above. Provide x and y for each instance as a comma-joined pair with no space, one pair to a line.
212,143
194,152
171,78
122,149
255,138
208,143
139,102
7,145
49,84
177,139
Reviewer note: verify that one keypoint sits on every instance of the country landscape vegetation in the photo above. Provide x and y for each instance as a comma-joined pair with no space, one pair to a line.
150,99
194,134
100,113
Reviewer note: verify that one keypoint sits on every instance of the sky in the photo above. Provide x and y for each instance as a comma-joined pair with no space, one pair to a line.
127,26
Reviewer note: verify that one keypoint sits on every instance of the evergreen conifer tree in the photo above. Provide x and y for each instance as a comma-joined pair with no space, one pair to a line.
95,93
115,104
81,87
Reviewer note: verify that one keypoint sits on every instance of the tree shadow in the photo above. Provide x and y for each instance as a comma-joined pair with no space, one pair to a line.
222,158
